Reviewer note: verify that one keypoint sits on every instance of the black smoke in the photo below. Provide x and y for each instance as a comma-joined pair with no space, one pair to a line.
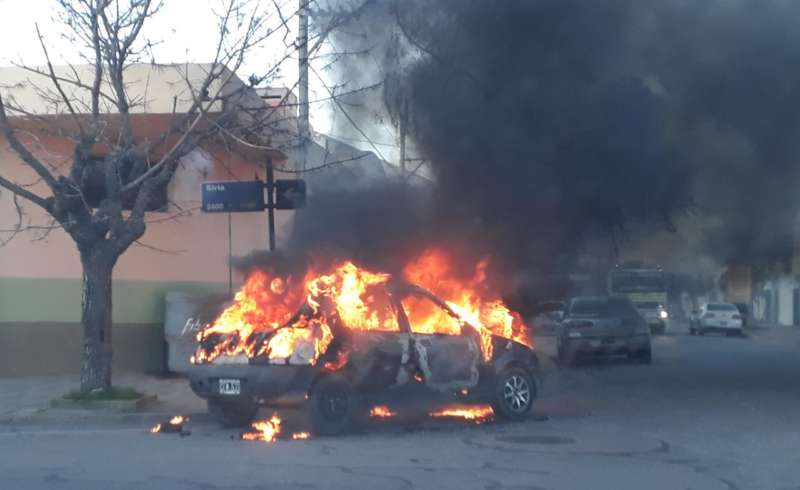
552,122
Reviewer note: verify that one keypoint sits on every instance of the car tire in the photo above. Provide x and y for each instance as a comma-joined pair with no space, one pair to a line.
700,331
514,394
692,331
232,413
332,405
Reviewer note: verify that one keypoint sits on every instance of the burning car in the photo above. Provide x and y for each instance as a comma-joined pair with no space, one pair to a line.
360,339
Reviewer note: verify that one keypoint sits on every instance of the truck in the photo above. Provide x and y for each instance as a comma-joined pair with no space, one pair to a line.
646,288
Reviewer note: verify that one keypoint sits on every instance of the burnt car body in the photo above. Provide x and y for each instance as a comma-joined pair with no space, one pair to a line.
383,367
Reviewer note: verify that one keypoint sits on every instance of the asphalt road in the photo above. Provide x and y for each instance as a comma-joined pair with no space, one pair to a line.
710,412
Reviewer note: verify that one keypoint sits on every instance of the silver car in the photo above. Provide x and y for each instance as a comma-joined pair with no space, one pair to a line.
603,325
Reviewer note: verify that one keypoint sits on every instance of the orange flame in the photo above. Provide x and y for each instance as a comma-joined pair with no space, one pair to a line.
338,363
381,411
175,422
265,430
478,413
300,435
470,299
263,320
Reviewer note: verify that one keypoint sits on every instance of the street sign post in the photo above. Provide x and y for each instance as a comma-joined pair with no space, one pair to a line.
248,196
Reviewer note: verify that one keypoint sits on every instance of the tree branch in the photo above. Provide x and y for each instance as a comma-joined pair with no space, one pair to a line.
22,151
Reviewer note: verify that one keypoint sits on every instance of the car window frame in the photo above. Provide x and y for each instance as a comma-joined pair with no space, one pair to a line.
399,292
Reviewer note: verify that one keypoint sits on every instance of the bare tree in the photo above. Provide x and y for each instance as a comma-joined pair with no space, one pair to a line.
101,202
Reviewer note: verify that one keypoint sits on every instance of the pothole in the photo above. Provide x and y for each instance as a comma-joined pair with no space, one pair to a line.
534,439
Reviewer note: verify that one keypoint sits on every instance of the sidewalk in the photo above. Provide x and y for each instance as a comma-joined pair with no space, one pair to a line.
27,399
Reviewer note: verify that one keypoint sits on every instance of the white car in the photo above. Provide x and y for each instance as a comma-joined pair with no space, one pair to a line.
717,317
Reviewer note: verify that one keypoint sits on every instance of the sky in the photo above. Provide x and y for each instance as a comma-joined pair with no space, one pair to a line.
185,31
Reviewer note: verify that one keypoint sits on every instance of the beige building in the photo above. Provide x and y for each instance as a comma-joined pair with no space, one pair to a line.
183,249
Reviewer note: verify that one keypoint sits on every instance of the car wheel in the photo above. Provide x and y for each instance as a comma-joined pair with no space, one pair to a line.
332,406
514,394
700,331
691,331
232,413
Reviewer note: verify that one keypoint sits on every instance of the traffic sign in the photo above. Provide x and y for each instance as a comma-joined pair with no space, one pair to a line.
290,194
233,196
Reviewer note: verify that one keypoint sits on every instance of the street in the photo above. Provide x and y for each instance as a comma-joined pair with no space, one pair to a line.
710,412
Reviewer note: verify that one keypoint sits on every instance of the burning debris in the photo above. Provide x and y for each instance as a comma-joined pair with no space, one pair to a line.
478,413
264,430
291,319
270,431
172,426
381,411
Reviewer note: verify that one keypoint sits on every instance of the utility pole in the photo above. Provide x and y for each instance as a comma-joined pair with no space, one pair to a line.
403,116
270,185
302,56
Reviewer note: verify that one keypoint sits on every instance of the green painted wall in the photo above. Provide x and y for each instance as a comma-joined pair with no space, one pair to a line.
59,300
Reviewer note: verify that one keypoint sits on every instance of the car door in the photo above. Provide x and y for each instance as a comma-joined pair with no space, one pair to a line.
448,355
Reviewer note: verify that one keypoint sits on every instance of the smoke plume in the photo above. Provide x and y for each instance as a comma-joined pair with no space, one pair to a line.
548,123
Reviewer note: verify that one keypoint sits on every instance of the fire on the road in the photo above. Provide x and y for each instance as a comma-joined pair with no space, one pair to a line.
269,431
381,411
264,430
175,424
476,413
263,320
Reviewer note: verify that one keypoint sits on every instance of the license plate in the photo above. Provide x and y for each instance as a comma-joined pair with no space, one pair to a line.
230,386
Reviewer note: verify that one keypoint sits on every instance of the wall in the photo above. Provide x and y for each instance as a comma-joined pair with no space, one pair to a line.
183,249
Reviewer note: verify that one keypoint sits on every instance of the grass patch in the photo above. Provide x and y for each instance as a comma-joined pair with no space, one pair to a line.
114,393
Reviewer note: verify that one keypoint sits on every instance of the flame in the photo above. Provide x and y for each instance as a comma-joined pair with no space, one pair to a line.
300,435
338,363
265,430
359,302
174,425
293,319
381,411
477,413
471,299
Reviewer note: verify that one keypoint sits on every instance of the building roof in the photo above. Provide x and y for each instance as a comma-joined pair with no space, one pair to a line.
156,93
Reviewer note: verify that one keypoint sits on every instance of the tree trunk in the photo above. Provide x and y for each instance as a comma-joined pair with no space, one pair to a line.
96,319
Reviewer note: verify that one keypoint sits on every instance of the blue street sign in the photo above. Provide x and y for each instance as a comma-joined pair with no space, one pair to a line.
233,196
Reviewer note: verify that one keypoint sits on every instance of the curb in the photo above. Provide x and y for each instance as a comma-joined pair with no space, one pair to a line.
105,405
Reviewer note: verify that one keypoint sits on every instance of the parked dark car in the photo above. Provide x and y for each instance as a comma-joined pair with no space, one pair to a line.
392,368
603,325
